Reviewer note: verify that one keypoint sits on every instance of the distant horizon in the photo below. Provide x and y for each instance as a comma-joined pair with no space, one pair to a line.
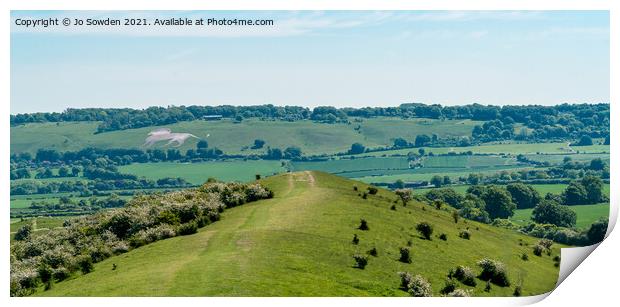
312,107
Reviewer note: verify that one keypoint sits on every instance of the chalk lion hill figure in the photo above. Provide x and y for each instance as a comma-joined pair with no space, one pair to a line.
165,134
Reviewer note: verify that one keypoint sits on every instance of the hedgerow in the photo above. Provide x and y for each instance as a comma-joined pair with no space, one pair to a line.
145,219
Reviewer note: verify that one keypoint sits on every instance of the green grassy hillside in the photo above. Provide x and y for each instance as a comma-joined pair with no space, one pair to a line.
311,137
299,244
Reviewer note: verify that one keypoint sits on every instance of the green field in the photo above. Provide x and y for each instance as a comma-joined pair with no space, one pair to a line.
586,214
198,173
352,165
507,148
311,137
467,161
299,244
422,174
39,223
558,159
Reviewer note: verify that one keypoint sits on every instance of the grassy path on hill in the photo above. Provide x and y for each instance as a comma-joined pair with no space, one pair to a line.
299,244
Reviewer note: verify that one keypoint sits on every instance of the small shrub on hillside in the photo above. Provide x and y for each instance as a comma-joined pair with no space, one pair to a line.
493,271
463,274
538,250
393,207
525,257
360,261
23,233
405,255
487,287
203,221
356,240
405,279
365,195
150,235
61,274
449,286
517,291
443,237
425,229
187,228
456,216
85,264
419,287
373,252
405,195
372,190
459,293
465,234
46,274
354,188
363,225
409,243
438,204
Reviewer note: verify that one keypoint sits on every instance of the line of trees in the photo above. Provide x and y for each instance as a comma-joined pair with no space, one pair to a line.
71,163
485,203
541,122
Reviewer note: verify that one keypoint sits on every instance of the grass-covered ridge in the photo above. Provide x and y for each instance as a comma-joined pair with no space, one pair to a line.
61,252
299,243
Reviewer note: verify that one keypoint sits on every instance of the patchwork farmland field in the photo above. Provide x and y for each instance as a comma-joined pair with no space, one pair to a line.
512,148
467,161
198,173
352,165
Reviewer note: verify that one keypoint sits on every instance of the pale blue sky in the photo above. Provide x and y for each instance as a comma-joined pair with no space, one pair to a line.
314,58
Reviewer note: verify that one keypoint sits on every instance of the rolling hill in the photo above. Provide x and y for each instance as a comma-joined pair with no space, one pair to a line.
231,137
299,243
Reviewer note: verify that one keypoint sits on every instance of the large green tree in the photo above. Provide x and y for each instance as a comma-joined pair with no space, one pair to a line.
550,212
498,202
524,196
575,194
594,189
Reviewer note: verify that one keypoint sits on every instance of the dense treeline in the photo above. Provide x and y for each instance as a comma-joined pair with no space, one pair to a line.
93,187
541,122
67,206
552,216
44,259
72,163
